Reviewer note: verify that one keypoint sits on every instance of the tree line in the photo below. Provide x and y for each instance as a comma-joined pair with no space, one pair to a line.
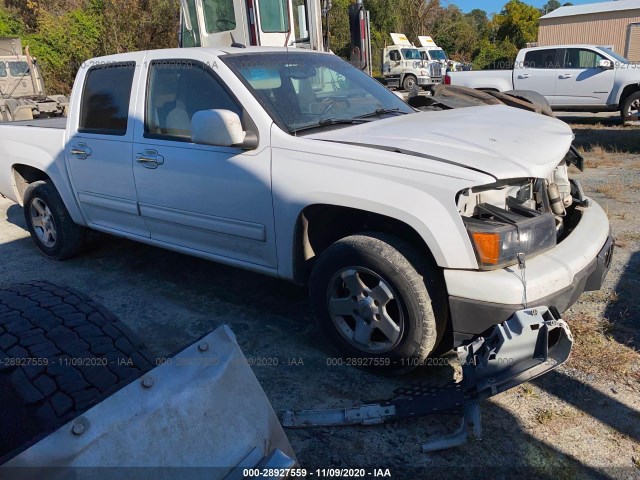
62,34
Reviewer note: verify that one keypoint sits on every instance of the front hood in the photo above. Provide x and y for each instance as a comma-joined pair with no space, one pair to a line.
501,141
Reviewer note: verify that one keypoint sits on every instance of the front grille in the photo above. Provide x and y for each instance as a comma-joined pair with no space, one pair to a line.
435,70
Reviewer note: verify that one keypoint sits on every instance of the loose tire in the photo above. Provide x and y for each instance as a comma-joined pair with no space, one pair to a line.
630,110
60,354
379,301
408,82
51,227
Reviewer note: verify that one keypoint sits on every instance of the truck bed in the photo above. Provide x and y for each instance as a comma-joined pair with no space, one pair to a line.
56,122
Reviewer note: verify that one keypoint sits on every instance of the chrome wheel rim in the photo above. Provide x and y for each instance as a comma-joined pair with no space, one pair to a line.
365,310
42,223
634,109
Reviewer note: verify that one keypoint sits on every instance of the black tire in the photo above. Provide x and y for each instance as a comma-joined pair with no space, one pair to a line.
70,237
408,82
629,111
420,300
60,354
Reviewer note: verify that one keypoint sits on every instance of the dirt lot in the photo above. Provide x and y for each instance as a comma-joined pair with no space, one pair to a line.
581,421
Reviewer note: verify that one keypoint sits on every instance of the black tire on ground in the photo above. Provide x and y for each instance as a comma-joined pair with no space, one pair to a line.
60,354
631,108
409,82
419,308
534,98
68,237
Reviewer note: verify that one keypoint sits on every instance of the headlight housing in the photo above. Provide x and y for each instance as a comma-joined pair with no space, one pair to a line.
499,239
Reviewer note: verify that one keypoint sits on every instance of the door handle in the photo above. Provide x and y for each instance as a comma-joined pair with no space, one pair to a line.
81,151
566,75
524,75
149,159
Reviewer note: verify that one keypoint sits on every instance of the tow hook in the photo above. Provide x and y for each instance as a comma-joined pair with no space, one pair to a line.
530,343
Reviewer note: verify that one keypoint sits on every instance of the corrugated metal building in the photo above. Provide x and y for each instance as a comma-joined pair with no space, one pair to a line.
614,24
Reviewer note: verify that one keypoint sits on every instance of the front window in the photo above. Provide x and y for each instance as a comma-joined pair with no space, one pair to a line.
437,55
302,91
274,16
411,54
18,69
581,58
219,15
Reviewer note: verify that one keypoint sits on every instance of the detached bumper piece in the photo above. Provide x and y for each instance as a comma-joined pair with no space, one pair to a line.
531,343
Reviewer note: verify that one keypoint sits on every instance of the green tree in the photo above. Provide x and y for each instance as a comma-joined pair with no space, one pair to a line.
517,23
550,6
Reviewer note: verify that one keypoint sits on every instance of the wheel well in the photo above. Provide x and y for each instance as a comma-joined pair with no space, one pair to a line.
319,226
23,175
628,90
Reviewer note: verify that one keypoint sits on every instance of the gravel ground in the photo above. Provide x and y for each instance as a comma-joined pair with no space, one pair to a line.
580,421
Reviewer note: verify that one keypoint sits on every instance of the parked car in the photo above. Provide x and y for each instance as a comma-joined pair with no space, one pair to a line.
414,230
571,77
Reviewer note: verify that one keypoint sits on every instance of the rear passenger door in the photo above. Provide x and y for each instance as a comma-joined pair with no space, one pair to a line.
211,200
538,72
98,151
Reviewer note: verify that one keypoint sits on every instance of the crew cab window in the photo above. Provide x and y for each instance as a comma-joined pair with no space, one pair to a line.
3,69
177,89
219,15
18,69
581,58
274,16
105,99
541,59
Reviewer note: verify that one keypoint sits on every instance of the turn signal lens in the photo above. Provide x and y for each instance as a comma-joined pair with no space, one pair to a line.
487,247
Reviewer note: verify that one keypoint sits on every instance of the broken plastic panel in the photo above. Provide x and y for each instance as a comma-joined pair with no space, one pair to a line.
531,343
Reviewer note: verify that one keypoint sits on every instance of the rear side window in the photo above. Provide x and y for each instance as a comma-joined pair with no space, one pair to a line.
105,99
3,69
541,59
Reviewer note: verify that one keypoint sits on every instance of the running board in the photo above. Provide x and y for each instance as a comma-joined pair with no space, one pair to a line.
531,343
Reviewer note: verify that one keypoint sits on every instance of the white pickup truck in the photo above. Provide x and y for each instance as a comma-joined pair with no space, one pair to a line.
413,229
571,78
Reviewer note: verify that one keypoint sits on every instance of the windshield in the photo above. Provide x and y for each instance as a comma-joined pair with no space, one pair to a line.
618,57
437,55
305,90
411,54
18,69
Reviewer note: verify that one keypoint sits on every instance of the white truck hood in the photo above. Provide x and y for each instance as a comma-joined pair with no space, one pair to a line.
501,141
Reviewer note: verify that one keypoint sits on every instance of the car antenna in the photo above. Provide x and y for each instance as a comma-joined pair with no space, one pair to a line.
236,44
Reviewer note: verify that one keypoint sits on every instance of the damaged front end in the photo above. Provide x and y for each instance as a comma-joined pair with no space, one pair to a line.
531,343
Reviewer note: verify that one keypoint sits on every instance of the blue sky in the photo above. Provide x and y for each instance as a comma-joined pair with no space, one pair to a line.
494,6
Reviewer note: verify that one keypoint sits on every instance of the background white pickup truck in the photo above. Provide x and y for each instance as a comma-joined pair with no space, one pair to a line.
571,78
408,226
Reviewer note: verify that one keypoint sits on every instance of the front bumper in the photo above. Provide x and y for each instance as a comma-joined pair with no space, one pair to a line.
429,81
479,300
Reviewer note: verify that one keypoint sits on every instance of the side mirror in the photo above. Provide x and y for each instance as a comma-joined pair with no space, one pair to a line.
605,64
221,128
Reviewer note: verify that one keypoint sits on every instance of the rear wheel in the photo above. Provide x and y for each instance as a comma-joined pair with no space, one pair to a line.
630,110
51,227
380,303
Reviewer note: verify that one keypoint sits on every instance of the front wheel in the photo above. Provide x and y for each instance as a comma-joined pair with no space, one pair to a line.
409,82
380,302
630,110
51,227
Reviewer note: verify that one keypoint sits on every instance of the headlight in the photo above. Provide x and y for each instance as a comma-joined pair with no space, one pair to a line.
498,241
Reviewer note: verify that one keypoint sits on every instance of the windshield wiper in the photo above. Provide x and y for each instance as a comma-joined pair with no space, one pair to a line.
382,111
325,122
